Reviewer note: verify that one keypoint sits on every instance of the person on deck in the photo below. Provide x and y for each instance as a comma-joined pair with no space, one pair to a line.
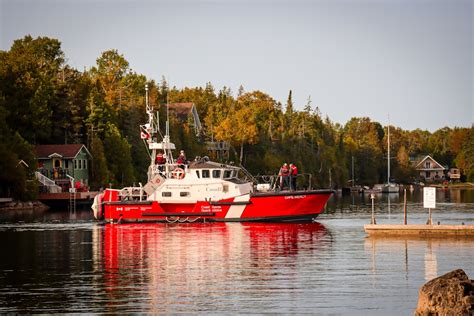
293,175
284,175
160,160
181,159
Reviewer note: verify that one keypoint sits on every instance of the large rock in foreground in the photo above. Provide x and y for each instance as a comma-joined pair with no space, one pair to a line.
449,294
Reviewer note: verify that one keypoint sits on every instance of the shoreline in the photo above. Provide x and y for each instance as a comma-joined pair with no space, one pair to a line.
463,185
24,206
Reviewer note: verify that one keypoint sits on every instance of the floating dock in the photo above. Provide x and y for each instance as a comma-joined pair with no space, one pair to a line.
419,230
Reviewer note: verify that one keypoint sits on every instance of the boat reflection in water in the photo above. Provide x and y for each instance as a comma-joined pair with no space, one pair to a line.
167,265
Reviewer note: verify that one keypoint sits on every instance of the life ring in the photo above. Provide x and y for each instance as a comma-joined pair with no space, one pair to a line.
178,173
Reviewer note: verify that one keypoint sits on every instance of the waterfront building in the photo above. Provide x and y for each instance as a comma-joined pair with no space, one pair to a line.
64,164
430,170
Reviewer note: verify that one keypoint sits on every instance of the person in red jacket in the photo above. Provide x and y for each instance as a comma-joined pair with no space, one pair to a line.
160,160
293,175
181,161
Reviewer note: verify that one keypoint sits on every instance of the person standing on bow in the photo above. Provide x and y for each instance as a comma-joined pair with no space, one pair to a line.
293,175
284,175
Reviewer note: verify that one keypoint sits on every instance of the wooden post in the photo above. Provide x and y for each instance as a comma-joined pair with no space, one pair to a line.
372,197
430,222
405,206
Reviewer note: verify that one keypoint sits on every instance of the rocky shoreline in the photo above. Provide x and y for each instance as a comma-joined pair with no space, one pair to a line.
24,206
449,294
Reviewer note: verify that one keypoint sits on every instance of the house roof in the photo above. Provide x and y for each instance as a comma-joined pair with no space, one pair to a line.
64,151
181,108
437,166
185,109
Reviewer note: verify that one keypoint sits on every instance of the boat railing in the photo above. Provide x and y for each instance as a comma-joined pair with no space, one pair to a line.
247,175
303,181
167,170
132,193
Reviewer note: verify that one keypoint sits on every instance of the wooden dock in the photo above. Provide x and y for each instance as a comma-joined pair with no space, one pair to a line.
66,196
419,230
65,200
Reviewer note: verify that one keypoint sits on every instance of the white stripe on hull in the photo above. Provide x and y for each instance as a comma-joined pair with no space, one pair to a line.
235,211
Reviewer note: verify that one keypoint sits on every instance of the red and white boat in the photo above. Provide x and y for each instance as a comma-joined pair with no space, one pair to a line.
201,191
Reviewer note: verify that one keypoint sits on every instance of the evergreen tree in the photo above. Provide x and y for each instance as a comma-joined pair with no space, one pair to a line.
99,170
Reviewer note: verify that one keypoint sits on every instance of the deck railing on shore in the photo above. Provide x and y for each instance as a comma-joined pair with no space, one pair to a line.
48,183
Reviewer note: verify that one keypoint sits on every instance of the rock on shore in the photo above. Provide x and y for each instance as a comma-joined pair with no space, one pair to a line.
29,205
449,294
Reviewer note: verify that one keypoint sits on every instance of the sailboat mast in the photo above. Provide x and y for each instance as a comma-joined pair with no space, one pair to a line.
388,154
353,184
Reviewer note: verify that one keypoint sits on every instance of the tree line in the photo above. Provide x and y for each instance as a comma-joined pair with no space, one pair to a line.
43,100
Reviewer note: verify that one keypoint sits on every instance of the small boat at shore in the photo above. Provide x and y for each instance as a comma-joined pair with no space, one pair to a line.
201,190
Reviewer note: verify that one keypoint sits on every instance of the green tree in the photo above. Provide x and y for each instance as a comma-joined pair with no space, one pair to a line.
99,172
29,72
119,160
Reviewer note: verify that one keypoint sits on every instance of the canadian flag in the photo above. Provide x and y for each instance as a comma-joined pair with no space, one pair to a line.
144,133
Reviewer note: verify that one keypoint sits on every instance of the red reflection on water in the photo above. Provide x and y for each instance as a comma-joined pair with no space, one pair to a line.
138,256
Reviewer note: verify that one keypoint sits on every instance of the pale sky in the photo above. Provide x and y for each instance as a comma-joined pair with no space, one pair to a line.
410,59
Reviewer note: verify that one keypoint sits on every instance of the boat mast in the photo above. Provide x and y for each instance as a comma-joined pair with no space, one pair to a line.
353,184
166,139
388,152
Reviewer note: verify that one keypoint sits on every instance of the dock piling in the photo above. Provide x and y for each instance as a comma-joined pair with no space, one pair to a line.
372,197
430,221
405,206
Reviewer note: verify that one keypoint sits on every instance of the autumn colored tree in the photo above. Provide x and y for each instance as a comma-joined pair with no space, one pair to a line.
44,100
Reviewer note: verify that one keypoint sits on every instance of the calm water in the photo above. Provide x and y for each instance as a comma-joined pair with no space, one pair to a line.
54,262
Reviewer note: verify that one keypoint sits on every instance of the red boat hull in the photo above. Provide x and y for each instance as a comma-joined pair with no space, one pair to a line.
282,206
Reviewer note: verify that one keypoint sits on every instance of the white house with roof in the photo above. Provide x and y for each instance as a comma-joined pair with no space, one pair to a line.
430,170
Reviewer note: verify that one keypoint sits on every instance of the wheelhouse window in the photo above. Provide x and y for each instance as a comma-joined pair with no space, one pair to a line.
235,173
166,194
197,173
205,173
183,193
227,174
216,173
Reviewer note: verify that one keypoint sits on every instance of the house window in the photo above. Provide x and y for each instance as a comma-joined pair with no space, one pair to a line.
205,174
66,163
80,164
75,164
85,163
216,173
427,174
428,164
